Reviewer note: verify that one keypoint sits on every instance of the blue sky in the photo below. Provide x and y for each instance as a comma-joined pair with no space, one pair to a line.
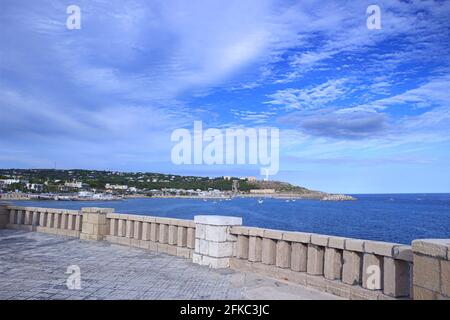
359,110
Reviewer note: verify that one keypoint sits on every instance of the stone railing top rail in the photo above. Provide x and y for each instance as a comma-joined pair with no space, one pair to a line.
218,220
41,209
387,249
110,215
437,248
142,218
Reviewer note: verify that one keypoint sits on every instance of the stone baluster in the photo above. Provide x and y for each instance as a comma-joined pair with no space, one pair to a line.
78,222
181,236
57,221
172,235
12,216
28,215
283,256
50,217
333,259
269,251
163,233
4,214
352,258
64,221
121,227
35,218
316,254
113,227
190,241
71,222
242,246
299,249
255,244
43,219
20,217
154,232
129,228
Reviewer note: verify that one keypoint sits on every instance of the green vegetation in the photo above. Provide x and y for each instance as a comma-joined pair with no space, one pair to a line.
98,179
52,180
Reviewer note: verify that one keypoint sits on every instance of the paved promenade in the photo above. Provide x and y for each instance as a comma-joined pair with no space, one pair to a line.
34,265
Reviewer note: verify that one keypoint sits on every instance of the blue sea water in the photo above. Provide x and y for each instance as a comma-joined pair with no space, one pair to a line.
397,218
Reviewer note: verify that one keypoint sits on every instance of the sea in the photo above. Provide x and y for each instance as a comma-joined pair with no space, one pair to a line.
398,218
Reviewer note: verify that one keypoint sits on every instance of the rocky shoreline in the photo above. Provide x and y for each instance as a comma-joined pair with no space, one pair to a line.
339,197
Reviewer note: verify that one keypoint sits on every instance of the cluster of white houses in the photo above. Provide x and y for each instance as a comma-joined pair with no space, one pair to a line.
37,187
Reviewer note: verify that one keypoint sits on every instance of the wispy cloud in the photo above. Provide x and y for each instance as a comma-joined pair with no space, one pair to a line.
339,126
254,117
309,98
114,90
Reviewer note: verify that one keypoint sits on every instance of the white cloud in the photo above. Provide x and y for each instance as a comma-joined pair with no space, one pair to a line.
254,117
431,94
339,29
309,98
122,82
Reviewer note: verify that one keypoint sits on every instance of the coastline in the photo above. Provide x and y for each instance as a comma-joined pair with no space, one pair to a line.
283,196
389,217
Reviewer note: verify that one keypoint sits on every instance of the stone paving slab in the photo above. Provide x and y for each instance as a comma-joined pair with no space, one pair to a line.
33,266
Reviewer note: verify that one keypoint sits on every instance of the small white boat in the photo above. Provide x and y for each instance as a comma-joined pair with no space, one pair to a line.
260,201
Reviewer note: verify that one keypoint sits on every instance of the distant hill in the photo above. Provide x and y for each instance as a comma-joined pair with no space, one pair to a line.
97,179
287,190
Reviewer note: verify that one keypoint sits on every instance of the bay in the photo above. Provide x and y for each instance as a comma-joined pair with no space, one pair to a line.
397,218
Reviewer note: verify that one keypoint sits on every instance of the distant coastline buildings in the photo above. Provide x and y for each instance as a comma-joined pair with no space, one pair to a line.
262,191
8,181
249,179
116,187
74,185
106,185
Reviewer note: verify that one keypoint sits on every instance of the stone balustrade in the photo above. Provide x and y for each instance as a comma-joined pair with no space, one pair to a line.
56,221
350,268
171,236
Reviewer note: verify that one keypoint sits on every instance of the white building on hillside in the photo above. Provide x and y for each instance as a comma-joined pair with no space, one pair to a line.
9,181
116,187
75,185
35,187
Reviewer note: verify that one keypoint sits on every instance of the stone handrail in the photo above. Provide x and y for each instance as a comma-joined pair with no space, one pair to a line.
350,268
